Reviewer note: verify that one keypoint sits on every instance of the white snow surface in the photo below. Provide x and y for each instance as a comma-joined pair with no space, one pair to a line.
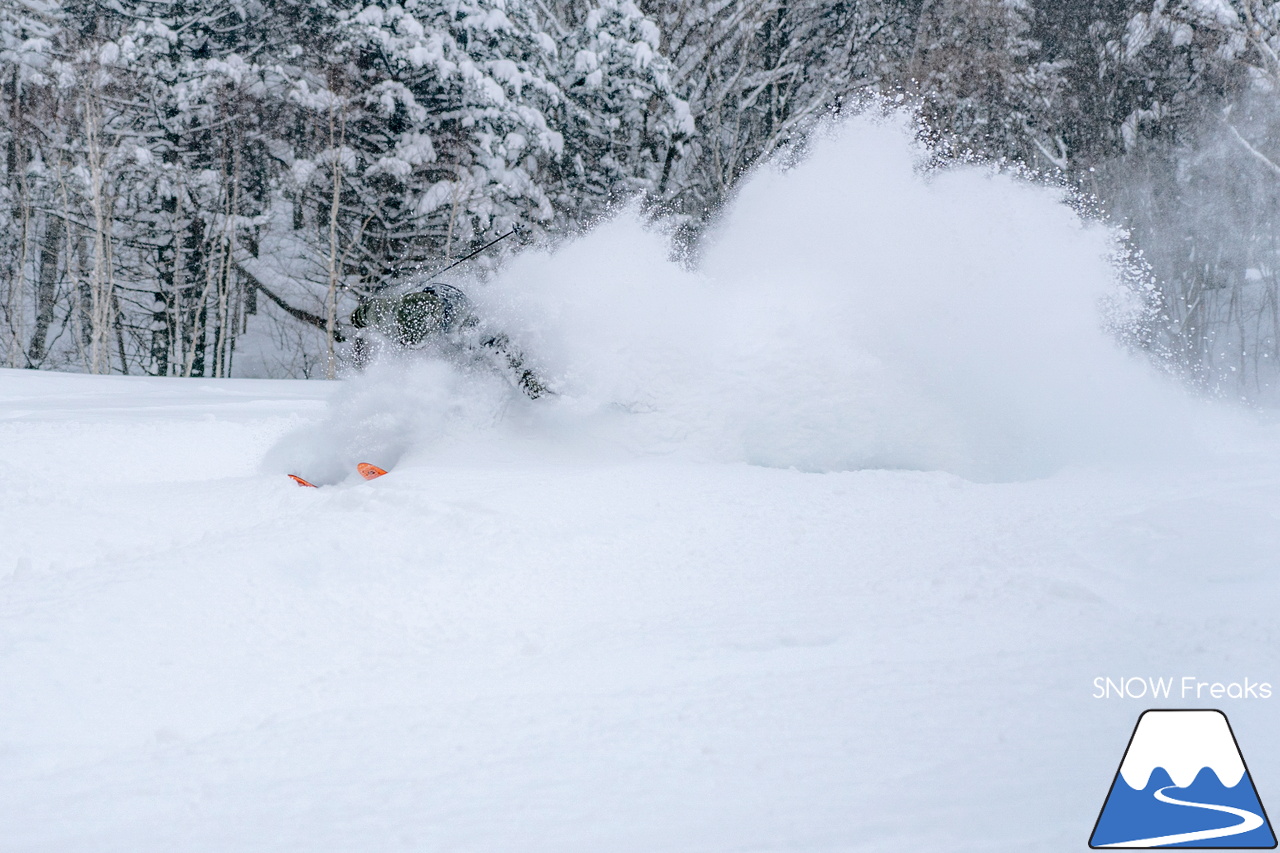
819,548
1183,743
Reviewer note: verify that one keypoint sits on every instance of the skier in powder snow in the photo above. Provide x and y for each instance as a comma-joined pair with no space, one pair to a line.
441,319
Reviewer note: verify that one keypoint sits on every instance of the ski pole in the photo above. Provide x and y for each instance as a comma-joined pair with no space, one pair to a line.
515,229
486,246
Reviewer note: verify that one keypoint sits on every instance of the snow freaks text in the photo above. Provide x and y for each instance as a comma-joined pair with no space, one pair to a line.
1185,687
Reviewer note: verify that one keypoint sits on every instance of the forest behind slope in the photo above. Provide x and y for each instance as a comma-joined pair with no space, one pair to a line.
207,187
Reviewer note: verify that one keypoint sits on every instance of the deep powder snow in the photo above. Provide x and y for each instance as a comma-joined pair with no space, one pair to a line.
820,547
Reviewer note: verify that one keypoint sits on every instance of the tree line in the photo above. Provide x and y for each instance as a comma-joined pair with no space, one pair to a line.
178,176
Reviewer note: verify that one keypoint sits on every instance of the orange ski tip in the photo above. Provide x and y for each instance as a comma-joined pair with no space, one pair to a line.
302,482
369,472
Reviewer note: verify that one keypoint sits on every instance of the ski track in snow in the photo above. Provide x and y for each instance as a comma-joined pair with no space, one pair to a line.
535,648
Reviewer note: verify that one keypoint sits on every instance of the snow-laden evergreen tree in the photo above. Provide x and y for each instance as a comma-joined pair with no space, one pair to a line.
151,151
1179,65
624,124
758,74
191,168
1097,93
441,109
983,89
465,119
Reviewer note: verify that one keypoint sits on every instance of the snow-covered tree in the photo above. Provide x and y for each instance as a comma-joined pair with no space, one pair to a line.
462,120
975,68
624,124
446,125
192,168
30,243
176,174
1199,183
758,74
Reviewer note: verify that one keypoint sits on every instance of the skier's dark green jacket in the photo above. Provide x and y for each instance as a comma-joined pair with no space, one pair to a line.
411,319
443,315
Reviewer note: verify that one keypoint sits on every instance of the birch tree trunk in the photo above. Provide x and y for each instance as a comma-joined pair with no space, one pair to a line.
46,288
100,300
336,140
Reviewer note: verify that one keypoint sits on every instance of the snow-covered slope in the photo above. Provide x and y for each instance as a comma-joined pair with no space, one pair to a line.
517,651
620,620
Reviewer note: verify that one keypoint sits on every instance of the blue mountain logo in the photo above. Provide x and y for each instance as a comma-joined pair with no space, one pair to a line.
1183,783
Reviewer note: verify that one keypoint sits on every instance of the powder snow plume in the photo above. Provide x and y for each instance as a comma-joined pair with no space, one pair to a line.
849,312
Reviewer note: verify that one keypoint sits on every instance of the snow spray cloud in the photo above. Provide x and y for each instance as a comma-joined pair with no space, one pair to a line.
400,404
852,312
849,312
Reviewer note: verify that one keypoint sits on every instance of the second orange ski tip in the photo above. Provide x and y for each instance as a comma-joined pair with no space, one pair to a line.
370,472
